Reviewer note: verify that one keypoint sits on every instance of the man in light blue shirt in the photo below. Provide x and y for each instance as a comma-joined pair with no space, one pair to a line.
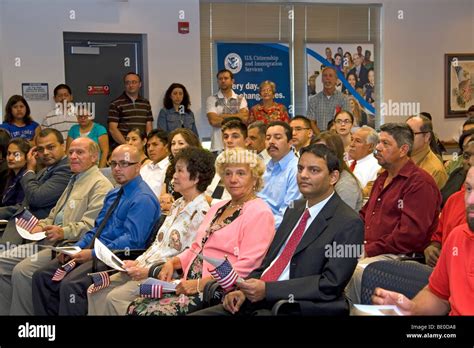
125,222
280,187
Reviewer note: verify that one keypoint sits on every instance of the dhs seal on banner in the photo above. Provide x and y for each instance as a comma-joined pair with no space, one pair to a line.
233,62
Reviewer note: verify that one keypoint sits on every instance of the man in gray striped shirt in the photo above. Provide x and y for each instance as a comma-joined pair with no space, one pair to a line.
63,116
323,106
129,110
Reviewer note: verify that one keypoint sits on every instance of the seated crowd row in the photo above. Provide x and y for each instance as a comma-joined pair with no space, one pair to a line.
279,203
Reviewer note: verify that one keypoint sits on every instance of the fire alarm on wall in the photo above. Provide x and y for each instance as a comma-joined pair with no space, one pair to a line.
183,27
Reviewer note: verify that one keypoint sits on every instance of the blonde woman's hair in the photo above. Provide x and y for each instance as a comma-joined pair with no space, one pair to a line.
242,156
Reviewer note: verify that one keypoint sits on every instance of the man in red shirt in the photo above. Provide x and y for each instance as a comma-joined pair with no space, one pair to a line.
450,286
453,213
402,211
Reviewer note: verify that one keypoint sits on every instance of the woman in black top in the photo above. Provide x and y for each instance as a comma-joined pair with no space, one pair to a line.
17,150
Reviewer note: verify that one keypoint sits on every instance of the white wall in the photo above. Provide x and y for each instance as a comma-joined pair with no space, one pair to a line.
413,48
33,31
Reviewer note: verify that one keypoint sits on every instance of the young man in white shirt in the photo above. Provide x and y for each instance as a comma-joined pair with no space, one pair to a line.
154,173
224,104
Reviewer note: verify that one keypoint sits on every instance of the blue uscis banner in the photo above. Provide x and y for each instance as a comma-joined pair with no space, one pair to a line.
253,63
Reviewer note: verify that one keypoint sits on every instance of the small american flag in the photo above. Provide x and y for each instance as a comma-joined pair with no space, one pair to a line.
100,281
225,275
151,290
63,270
26,220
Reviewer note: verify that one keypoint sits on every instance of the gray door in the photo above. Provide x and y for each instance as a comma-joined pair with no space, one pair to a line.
95,64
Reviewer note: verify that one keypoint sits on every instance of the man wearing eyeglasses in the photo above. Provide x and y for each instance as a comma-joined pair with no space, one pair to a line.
302,132
422,154
125,222
43,188
129,110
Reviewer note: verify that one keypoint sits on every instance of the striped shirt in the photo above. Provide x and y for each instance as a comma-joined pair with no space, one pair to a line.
58,120
130,114
322,108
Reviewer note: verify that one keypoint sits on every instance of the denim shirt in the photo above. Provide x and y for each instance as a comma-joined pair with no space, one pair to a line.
170,119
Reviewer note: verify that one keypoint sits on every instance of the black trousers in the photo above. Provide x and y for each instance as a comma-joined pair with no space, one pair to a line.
67,297
247,309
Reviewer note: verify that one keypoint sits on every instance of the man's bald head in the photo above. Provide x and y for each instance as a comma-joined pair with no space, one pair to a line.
125,163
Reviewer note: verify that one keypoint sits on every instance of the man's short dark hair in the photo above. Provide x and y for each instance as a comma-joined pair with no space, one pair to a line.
262,127
235,124
286,126
402,134
467,134
225,71
322,151
62,86
305,120
427,114
468,122
132,73
200,164
160,134
47,131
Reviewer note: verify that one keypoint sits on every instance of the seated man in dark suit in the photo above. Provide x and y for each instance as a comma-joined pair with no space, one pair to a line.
315,249
42,189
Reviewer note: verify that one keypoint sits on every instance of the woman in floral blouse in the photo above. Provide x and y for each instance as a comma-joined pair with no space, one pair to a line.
268,110
240,229
194,171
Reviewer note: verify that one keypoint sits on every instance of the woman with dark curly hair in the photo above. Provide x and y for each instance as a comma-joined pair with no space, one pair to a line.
194,171
18,121
176,112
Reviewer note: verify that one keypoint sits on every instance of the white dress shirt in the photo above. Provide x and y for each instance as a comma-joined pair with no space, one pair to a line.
366,169
154,175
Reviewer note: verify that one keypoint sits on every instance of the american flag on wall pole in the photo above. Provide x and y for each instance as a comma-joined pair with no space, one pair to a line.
26,220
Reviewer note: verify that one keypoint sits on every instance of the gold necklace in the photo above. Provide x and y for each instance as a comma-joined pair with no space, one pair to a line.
240,205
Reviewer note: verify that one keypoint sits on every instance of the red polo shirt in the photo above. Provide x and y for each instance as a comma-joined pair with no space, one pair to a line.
452,215
400,218
453,277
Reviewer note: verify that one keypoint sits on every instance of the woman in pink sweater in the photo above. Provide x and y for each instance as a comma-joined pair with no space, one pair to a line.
240,229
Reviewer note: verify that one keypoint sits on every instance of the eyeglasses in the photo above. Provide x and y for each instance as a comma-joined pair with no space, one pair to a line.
467,155
132,82
299,129
343,121
121,164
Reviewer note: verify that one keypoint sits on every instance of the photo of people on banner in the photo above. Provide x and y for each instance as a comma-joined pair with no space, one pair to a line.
355,70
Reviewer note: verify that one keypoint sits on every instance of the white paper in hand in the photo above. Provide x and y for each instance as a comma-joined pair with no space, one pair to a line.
68,250
108,257
27,235
377,310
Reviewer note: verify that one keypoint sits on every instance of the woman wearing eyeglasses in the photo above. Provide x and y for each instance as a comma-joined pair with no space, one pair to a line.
343,122
86,127
268,110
